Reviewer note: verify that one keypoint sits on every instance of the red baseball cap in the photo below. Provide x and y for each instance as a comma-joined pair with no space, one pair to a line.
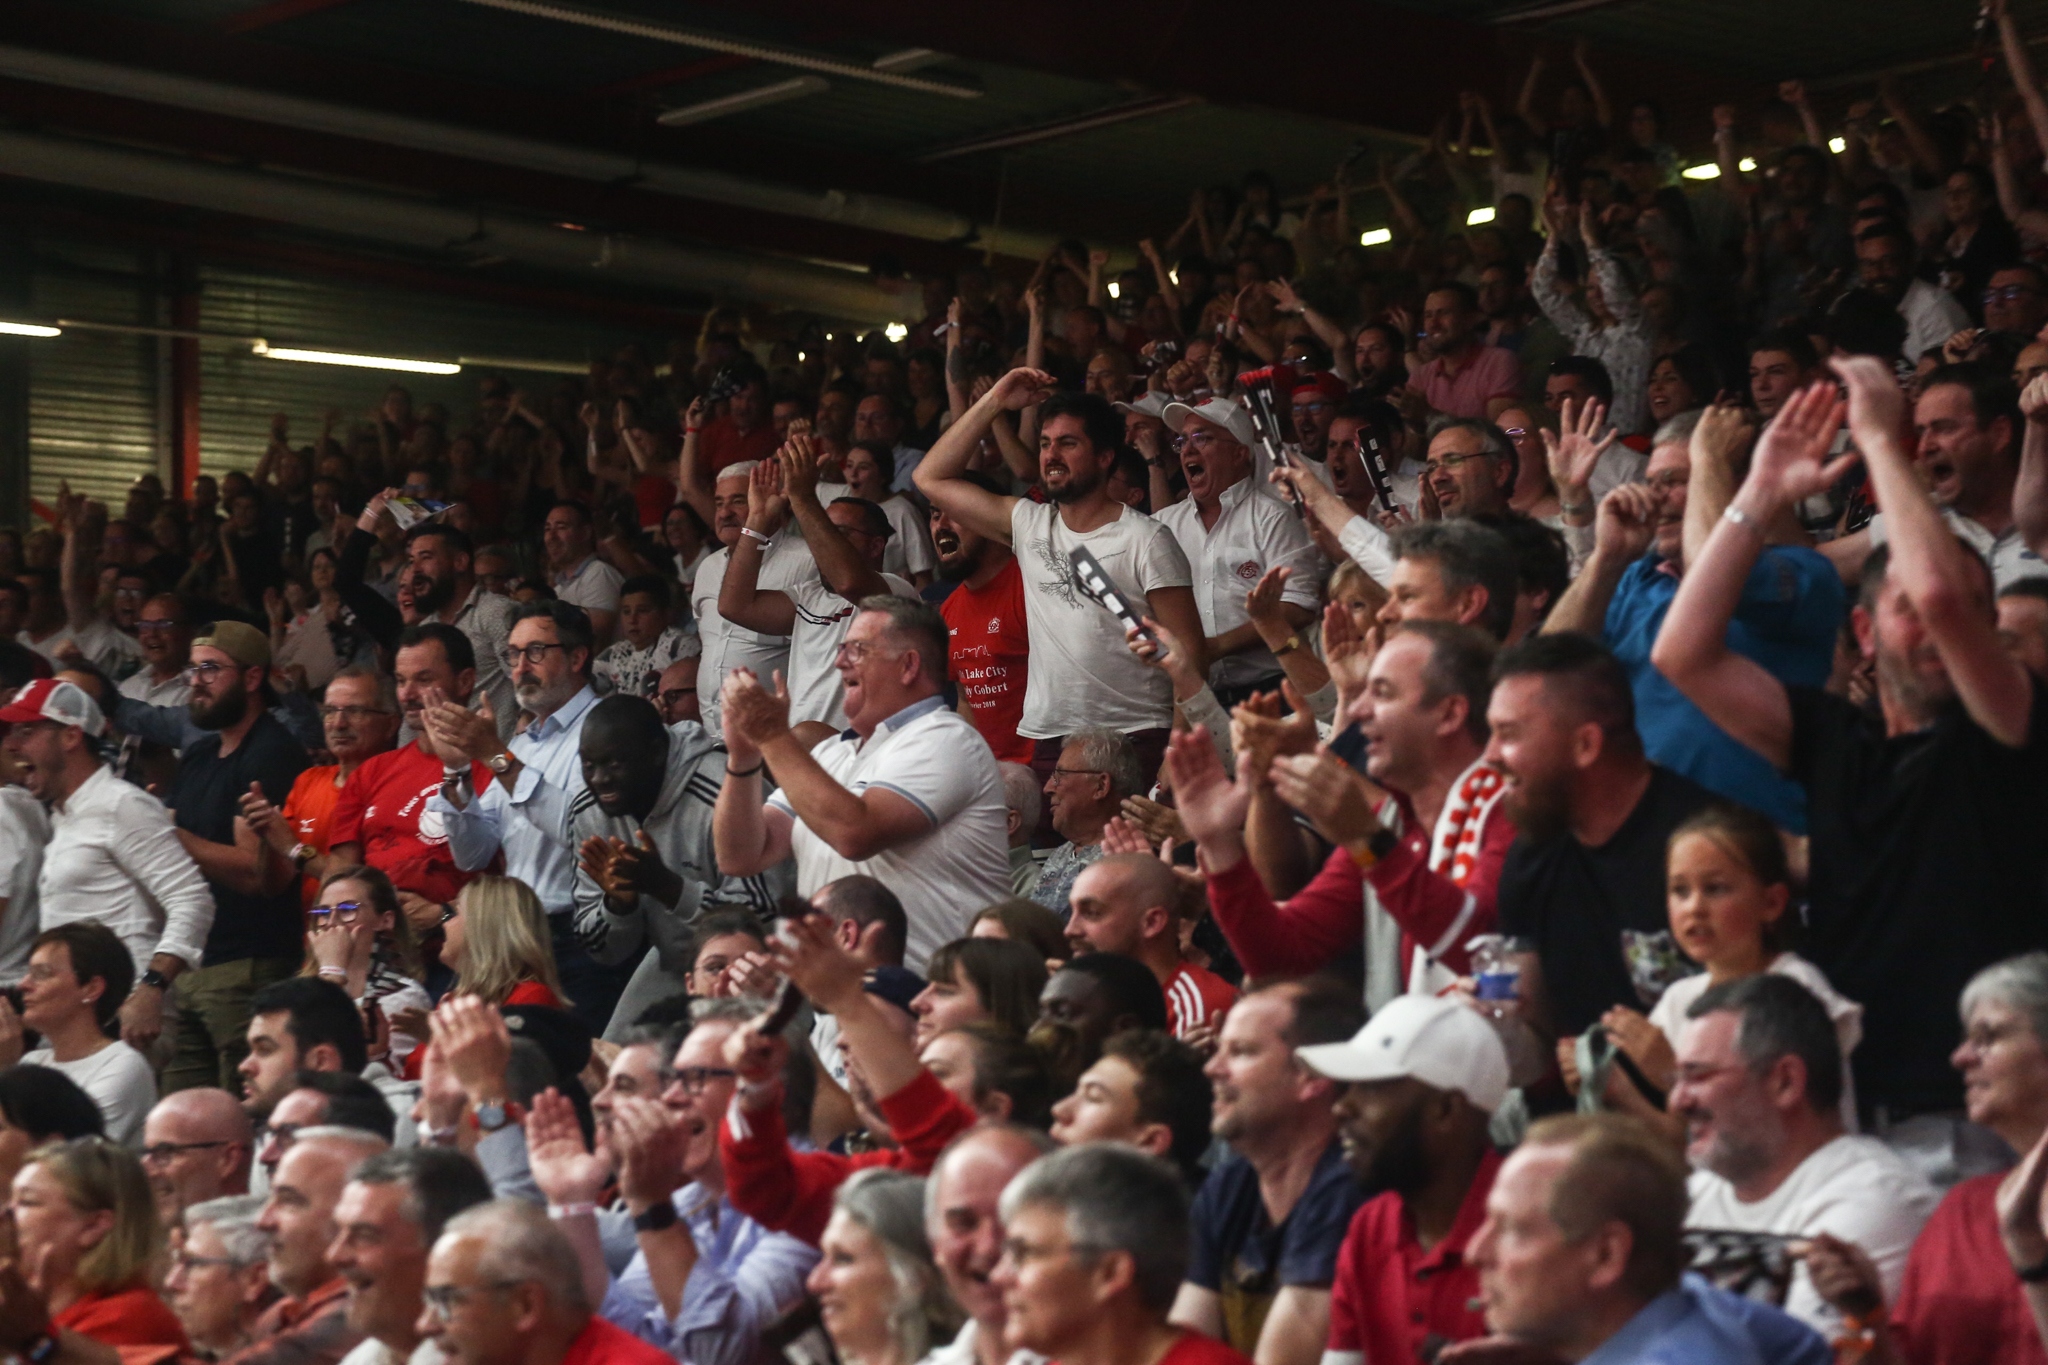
54,699
1323,382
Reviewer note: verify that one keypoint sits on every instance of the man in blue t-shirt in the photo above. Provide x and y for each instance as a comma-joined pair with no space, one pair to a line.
1791,611
1270,1219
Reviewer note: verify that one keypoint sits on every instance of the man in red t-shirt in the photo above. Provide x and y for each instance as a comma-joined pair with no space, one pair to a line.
744,430
1129,903
505,1287
987,647
359,715
1423,1077
1104,1303
381,817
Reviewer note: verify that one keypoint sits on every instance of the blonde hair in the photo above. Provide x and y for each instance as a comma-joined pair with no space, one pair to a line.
1348,577
505,940
99,1176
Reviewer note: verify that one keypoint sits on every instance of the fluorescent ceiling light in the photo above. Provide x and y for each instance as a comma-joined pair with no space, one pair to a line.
1838,145
29,329
361,362
1376,237
896,331
1478,216
1115,289
760,97
1709,171
1746,165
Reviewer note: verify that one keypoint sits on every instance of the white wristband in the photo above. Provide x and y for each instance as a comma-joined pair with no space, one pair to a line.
580,1209
751,534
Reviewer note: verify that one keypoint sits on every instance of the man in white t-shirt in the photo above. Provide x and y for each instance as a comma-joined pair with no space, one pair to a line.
784,560
1082,673
909,795
1759,1087
575,572
78,975
847,541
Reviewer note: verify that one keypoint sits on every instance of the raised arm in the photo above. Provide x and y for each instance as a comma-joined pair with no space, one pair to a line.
1168,290
1525,103
839,564
1627,523
1718,444
2030,492
74,576
1926,151
1583,59
1737,693
2021,64
740,598
1931,566
693,480
937,475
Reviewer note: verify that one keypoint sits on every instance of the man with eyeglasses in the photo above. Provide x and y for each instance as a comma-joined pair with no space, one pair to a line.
1316,400
1233,529
381,815
706,1279
197,1145
503,1288
255,935
114,855
310,1325
392,1211
908,795
514,801
359,712
163,632
675,696
2016,301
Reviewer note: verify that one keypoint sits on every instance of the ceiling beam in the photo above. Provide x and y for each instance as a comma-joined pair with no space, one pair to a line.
1052,131
274,12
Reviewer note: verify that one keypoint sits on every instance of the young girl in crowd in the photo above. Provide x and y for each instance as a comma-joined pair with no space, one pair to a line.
1727,888
979,980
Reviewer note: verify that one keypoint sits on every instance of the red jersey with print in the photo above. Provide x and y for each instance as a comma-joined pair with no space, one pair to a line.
1196,996
383,807
989,654
309,810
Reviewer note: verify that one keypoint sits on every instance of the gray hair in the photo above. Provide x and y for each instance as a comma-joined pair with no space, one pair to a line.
914,624
522,1245
1678,428
1492,440
387,689
1109,751
738,469
1022,792
726,1009
233,1219
1115,1198
2019,982
890,1205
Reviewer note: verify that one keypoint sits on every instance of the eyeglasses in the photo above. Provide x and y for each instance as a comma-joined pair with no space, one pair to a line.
448,912
2010,293
155,627
1320,405
1430,467
130,594
693,1079
355,714
1514,433
206,672
670,696
345,913
1059,775
856,652
283,1134
1023,1253
1668,480
188,1263
533,654
444,1299
167,1151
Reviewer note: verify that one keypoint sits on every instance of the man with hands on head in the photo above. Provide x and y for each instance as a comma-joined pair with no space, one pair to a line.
1081,673
1927,861
706,1279
647,866
909,794
846,541
792,1191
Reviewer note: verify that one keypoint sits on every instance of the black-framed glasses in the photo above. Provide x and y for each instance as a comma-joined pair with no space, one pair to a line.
444,1299
355,714
448,912
1430,467
206,672
693,1079
673,695
155,627
168,1151
188,1263
533,654
346,914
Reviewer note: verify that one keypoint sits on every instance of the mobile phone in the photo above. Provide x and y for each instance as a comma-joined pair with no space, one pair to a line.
784,1011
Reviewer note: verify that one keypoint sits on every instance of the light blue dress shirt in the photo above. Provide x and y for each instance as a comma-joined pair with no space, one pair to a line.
1697,1324
531,823
745,1278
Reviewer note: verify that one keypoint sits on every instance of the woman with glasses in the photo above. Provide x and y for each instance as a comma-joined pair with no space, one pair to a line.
86,1234
357,937
1534,494
38,1105
879,1295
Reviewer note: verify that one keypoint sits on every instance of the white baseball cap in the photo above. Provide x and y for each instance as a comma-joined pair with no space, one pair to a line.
54,699
1435,1040
1224,412
1150,403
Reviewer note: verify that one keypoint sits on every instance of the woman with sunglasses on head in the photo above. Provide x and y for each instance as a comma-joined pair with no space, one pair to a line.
357,937
86,1235
498,945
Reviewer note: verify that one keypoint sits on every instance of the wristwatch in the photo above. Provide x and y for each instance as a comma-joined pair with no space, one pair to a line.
655,1217
153,977
1292,643
491,1116
302,853
499,762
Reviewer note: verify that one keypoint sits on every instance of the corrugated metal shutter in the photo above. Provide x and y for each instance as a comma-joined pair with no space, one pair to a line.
93,413
240,391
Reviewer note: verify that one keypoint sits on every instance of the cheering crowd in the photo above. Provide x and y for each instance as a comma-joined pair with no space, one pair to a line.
1474,800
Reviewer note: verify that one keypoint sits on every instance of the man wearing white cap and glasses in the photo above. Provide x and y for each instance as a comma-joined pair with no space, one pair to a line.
1424,1076
1233,529
114,855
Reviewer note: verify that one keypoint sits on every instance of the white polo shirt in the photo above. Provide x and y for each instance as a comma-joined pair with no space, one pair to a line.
592,585
1254,531
935,759
785,560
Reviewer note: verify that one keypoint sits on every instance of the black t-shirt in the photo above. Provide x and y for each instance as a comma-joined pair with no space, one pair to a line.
1238,1253
207,795
1597,915
1930,862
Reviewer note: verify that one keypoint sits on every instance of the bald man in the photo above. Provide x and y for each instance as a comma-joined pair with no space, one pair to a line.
1129,903
966,1229
196,1146
309,1326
